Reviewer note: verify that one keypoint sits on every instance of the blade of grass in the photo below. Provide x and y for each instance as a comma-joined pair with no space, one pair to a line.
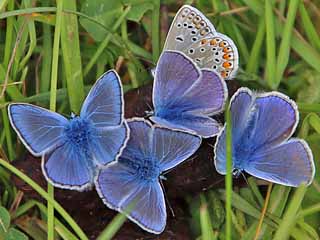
53,98
308,26
205,222
228,177
46,54
70,47
263,212
115,224
9,35
105,42
253,62
289,217
270,45
47,197
155,32
284,50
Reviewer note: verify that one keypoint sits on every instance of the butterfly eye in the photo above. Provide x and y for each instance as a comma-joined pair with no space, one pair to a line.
194,39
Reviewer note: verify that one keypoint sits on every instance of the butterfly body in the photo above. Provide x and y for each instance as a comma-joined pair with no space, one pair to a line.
73,150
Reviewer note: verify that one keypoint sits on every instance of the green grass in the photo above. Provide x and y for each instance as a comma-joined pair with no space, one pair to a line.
51,54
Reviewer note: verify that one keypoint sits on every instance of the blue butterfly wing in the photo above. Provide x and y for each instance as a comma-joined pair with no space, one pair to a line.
109,143
119,187
104,107
68,167
38,128
201,125
220,152
290,163
276,119
174,75
240,107
187,107
104,103
140,141
173,147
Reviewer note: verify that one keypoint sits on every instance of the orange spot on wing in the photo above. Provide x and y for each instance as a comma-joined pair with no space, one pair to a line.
204,41
213,42
226,64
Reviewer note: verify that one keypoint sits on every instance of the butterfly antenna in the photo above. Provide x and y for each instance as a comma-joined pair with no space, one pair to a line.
167,200
244,177
212,185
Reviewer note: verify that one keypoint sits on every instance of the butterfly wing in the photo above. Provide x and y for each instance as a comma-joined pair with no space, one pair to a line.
104,107
276,118
119,187
193,34
67,167
38,128
187,107
104,103
290,163
173,147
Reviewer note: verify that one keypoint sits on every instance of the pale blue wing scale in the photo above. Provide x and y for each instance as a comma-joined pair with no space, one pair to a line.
173,147
119,188
67,167
104,103
290,163
38,128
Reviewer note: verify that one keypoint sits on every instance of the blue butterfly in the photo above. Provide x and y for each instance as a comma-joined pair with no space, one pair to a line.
261,127
184,96
72,149
134,178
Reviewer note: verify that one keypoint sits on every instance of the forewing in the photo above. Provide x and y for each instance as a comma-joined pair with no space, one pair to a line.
276,119
140,140
173,147
206,96
240,107
289,164
104,103
38,128
68,167
193,34
108,144
188,26
175,74
119,189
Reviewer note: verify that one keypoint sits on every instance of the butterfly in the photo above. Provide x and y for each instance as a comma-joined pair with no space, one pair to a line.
72,149
194,35
134,178
184,96
262,124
